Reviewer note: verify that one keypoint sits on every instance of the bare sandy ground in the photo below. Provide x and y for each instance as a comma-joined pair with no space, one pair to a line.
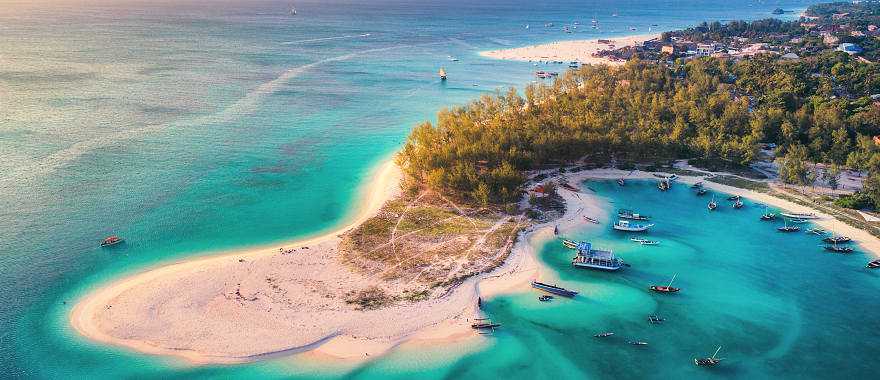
567,51
255,304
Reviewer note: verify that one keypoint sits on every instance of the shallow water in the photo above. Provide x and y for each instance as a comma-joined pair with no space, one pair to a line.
197,126
780,306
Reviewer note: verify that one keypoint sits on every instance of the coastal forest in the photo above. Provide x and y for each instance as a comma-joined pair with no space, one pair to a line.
818,109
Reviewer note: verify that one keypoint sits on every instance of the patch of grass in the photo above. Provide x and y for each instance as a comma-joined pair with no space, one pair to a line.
368,299
741,183
716,165
415,295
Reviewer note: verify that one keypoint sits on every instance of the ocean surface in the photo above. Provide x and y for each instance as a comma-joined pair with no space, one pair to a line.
191,127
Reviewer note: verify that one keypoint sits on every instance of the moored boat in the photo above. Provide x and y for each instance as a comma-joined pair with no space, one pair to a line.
655,319
570,244
621,182
799,215
712,205
484,324
591,220
111,240
709,362
638,343
702,191
545,298
767,215
442,74
665,288
873,264
644,241
734,198
838,248
697,185
817,231
663,185
787,228
604,334
738,204
837,239
626,225
590,258
554,289
630,214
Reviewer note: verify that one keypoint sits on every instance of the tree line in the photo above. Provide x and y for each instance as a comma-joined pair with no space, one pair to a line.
707,108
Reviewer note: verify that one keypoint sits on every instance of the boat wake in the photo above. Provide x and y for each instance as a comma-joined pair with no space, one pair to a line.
307,41
244,106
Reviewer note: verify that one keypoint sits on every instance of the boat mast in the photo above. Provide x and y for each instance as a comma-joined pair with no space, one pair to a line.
716,352
670,281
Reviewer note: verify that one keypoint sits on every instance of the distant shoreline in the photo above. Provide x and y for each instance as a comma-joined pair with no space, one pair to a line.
566,51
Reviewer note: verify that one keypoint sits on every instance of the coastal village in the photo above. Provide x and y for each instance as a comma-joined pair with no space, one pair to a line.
841,27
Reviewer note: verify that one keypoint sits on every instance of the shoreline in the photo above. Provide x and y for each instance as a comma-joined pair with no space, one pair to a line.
351,342
382,186
451,313
570,50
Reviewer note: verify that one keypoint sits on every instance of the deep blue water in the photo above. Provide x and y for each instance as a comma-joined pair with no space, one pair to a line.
196,126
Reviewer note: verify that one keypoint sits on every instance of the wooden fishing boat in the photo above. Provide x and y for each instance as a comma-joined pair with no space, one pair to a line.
644,241
838,248
627,226
837,239
553,289
655,319
111,240
709,362
787,228
632,215
663,185
485,325
767,215
665,288
799,215
569,187
591,220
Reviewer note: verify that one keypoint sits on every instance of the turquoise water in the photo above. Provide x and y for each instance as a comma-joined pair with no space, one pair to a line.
196,126
780,306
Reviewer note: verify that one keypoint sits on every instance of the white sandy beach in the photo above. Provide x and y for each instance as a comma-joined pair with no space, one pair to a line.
253,304
579,50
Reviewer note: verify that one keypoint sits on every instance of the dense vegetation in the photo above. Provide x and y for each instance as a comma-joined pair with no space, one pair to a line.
817,109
